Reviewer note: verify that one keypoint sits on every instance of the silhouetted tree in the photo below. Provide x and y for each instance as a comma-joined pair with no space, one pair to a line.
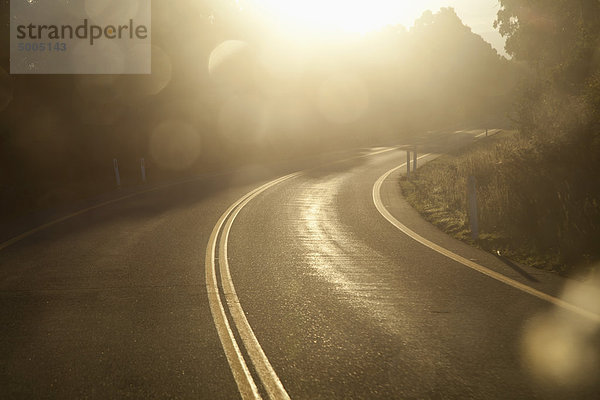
559,40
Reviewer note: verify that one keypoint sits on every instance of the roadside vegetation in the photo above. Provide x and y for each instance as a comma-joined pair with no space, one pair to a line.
538,200
539,187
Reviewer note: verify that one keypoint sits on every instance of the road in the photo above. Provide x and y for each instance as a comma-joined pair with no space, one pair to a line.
148,297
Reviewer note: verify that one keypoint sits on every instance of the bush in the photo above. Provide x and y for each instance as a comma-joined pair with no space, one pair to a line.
539,201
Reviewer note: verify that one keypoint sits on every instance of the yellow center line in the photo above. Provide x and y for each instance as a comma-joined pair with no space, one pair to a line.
244,380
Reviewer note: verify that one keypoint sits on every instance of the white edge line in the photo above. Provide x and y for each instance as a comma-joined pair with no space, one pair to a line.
468,263
21,236
30,232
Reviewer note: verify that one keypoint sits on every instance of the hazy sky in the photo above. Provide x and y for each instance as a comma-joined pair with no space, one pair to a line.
478,14
366,15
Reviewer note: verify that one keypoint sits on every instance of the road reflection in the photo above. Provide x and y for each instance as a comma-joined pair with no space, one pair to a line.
355,271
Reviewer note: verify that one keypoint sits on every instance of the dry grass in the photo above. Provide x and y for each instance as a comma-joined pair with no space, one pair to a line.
538,200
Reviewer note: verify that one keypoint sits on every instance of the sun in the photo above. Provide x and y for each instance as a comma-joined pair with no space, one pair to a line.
358,16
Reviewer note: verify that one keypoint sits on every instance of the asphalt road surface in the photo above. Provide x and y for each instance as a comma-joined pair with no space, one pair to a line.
301,290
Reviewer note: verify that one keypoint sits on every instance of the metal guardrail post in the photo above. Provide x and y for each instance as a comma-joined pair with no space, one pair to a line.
116,168
143,169
415,160
472,211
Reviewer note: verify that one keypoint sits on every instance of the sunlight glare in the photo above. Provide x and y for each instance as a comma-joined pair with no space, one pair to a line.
340,15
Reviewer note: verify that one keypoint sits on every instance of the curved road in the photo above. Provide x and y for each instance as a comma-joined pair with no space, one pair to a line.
119,301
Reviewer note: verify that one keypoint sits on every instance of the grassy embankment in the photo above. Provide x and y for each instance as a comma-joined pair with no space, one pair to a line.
539,201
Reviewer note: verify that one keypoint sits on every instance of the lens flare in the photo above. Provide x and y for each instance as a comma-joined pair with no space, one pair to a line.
343,99
242,119
175,145
560,348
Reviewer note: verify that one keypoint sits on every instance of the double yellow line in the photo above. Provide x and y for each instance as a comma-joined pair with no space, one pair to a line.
225,297
241,373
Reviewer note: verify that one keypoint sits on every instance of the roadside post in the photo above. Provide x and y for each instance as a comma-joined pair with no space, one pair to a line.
116,167
407,164
143,169
415,160
472,207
